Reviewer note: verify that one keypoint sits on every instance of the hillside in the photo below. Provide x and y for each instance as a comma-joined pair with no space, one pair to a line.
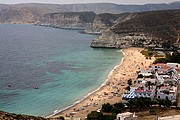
156,28
24,13
3,6
98,7
19,16
32,12
102,22
72,20
11,116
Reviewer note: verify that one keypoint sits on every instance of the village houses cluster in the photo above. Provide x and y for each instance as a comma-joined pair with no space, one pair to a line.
158,81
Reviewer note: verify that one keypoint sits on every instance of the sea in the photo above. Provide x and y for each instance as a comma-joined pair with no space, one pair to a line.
44,69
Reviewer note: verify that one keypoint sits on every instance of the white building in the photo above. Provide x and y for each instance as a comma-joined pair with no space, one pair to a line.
145,92
137,92
167,92
146,72
174,65
126,116
161,68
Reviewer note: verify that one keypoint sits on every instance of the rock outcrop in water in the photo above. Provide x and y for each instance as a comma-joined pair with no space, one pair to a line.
157,28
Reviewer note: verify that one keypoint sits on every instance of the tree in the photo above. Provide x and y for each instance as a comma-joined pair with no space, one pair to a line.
140,76
128,88
109,117
175,104
166,45
161,102
167,102
129,82
130,104
118,108
153,102
175,58
150,54
94,115
61,118
107,107
142,103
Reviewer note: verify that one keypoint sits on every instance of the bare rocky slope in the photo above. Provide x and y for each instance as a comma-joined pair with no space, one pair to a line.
71,20
32,12
10,116
155,28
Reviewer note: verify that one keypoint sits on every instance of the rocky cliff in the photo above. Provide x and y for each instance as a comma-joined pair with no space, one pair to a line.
19,16
157,28
101,23
72,20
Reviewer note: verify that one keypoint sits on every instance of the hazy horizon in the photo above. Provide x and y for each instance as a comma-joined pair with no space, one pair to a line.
138,2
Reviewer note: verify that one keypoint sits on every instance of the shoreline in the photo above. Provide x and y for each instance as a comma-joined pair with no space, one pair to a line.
104,83
112,89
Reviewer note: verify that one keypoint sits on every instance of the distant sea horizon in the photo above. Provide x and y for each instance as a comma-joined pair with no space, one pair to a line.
43,69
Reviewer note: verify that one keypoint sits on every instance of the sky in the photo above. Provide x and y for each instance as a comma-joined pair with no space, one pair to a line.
86,1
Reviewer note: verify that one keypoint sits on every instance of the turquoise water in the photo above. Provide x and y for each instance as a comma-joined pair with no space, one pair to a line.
58,62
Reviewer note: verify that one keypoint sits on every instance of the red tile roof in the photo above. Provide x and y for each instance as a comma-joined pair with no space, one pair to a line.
140,90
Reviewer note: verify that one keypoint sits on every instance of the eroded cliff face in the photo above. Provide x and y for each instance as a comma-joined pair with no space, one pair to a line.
97,27
72,20
17,16
102,22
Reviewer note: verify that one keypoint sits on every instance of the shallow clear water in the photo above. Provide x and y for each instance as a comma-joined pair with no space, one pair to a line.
58,62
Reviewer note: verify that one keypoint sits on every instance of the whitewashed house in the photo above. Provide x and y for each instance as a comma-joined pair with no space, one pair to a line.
145,92
167,92
126,116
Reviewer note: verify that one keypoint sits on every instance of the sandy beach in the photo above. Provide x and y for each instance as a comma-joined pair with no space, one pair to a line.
111,92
